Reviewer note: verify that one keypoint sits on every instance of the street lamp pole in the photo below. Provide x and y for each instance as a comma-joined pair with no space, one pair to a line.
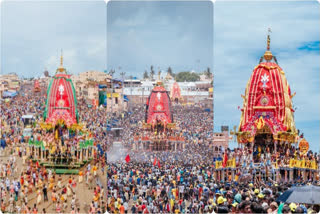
111,94
122,87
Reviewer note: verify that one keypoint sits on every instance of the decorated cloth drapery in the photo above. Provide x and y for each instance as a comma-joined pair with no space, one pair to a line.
267,105
36,143
85,144
61,104
175,92
159,107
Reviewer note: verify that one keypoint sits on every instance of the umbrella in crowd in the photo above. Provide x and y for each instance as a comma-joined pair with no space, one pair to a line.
306,194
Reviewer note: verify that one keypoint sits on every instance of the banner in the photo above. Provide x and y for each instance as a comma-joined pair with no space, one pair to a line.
113,95
306,164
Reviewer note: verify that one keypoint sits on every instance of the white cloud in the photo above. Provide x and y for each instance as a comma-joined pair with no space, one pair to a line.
162,34
34,32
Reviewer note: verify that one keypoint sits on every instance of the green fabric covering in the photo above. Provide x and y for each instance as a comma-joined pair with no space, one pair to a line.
47,103
75,99
85,144
36,143
66,171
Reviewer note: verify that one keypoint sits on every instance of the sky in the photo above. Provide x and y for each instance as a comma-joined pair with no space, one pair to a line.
130,36
240,31
34,32
164,33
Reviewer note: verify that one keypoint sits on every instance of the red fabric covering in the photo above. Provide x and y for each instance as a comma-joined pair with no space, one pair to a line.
175,91
159,107
36,85
61,101
225,159
265,97
61,114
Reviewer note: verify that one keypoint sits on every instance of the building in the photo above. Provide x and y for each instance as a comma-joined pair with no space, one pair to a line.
86,84
99,88
9,82
221,139
3,86
191,92
12,80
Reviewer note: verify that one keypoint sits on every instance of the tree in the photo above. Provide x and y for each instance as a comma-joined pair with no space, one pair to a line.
170,72
187,76
46,73
151,72
208,73
145,75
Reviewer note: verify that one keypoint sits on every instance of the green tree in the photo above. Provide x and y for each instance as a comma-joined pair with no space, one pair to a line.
187,76
170,71
151,72
145,75
208,73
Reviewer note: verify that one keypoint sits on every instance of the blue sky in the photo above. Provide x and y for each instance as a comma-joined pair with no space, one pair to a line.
240,30
166,33
33,33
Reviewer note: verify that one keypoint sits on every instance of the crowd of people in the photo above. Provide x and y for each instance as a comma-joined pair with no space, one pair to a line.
180,181
27,186
176,187
183,181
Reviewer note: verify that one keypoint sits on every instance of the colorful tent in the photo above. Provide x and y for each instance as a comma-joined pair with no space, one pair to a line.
61,104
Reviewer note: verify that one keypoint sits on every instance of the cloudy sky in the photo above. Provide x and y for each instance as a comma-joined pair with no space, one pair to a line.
240,30
134,35
33,33
166,33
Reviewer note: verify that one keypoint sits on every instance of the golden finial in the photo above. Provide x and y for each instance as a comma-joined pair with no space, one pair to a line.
268,55
61,59
61,68
268,39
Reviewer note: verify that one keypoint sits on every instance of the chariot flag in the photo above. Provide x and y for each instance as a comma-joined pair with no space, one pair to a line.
155,161
225,159
128,159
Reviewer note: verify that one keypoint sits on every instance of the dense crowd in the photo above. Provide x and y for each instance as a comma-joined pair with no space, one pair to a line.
28,187
179,181
183,181
176,187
